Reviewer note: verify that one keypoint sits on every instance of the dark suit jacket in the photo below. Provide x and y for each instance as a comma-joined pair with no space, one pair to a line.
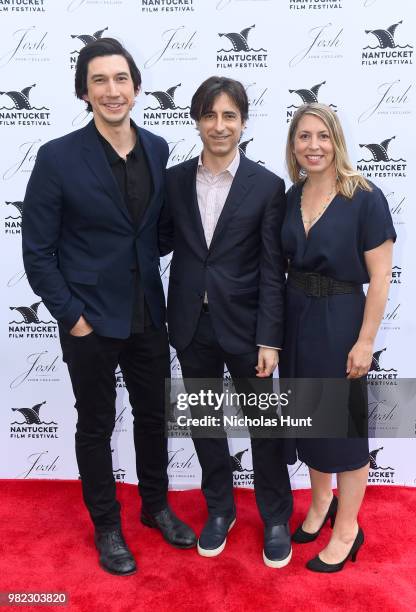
80,247
242,271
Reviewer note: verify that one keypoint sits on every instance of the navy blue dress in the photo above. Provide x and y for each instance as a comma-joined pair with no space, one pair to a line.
320,331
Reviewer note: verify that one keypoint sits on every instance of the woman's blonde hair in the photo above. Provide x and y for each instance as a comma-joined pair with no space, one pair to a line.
347,178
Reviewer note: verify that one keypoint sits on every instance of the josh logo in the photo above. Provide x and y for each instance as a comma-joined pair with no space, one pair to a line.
258,98
379,474
314,5
74,5
40,465
29,325
23,160
27,45
39,367
384,50
243,149
180,151
240,54
31,425
305,96
13,220
243,475
182,463
391,318
17,109
178,44
22,6
397,205
223,4
167,6
85,39
323,43
166,111
381,165
391,99
377,372
396,275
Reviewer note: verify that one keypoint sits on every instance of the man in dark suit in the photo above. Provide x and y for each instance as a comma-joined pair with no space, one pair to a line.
90,251
226,294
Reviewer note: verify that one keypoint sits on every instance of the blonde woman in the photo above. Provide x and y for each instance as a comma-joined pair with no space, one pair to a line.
337,227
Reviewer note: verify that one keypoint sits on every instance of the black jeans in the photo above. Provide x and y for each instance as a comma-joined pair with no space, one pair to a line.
145,364
204,358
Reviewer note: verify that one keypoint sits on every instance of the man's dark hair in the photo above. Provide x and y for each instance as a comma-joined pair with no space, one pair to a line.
204,97
100,48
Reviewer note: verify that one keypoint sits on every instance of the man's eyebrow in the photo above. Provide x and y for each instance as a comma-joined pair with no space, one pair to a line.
98,74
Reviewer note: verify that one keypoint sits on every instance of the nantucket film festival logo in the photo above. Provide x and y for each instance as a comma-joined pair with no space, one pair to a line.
321,43
380,163
386,48
28,45
314,5
84,39
29,422
243,475
237,51
396,275
377,369
167,6
175,45
13,219
29,324
379,473
22,6
243,149
163,109
390,99
119,473
17,109
305,96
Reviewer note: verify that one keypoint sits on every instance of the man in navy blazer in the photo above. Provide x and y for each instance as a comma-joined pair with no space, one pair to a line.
90,251
226,297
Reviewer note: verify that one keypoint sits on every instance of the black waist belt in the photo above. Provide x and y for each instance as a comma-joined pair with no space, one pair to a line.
317,285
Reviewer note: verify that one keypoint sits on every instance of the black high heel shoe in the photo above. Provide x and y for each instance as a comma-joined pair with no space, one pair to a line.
317,565
303,537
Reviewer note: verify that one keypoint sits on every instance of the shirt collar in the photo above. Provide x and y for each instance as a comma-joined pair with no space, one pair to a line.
231,168
111,154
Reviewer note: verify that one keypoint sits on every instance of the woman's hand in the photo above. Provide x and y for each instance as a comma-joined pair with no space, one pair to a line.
359,359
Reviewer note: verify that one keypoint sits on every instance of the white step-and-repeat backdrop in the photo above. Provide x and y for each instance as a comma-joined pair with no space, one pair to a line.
355,55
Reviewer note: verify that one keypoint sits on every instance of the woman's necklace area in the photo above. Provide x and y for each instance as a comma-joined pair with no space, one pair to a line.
320,212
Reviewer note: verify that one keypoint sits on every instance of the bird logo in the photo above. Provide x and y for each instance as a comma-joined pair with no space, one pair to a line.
308,96
88,38
165,99
373,461
236,464
385,37
31,415
19,207
379,152
243,149
239,41
375,363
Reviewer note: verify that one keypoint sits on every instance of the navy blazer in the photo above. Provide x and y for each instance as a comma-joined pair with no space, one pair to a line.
80,247
242,270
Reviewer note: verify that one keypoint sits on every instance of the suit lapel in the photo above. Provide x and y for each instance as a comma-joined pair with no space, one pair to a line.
189,187
240,187
155,171
96,160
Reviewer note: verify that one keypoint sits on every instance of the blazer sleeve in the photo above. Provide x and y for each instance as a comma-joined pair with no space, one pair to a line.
41,226
270,317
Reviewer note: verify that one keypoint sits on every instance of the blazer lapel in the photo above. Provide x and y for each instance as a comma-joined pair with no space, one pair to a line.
155,172
189,191
95,158
240,187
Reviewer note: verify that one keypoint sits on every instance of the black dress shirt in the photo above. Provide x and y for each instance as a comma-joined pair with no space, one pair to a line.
136,186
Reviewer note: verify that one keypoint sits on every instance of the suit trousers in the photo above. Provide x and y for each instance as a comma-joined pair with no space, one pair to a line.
145,364
204,358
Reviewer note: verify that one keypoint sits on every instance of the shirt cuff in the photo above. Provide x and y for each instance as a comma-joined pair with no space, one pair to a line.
276,348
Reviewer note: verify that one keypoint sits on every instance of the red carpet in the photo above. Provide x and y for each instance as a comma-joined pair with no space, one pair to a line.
46,544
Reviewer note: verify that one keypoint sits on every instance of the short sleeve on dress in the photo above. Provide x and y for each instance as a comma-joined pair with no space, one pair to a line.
378,222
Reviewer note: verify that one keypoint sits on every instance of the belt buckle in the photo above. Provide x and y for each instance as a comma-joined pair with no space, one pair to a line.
313,285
